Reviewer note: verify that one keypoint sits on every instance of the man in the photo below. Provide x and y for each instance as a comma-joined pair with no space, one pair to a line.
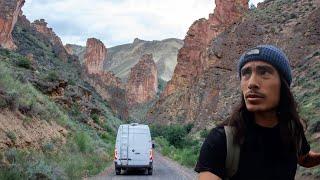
266,123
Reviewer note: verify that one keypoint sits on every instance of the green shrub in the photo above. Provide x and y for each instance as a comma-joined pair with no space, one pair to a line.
161,144
13,100
11,173
293,16
204,133
74,166
48,147
71,82
186,156
40,170
52,76
161,85
75,110
11,155
108,138
23,62
83,140
4,52
95,118
174,134
3,103
188,127
109,129
11,135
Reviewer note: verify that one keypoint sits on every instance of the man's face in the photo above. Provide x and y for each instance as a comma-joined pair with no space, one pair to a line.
260,85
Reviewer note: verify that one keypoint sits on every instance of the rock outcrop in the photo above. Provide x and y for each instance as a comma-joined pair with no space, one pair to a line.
76,50
69,49
94,57
106,83
192,57
214,91
112,90
9,13
142,85
48,33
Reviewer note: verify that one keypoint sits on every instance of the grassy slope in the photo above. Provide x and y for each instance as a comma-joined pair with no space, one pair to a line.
307,93
87,150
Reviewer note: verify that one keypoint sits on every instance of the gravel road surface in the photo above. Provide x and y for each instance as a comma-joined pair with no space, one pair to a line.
163,168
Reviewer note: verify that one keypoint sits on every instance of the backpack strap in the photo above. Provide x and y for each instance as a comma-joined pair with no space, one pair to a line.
233,152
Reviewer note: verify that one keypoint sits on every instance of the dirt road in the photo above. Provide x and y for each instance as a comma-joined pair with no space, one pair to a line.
163,168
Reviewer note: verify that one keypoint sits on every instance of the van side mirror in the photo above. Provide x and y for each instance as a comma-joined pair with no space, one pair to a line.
153,145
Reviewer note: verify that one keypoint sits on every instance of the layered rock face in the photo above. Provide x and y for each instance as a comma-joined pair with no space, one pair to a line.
192,57
106,83
214,92
112,90
48,33
143,81
94,57
9,13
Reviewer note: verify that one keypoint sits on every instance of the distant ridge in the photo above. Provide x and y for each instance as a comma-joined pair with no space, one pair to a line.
122,58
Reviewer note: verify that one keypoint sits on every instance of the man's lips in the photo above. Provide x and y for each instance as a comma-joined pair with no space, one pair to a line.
254,96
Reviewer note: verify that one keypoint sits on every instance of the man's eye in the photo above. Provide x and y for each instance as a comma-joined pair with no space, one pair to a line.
264,72
245,72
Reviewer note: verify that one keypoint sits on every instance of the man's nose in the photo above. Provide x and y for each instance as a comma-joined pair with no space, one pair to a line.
254,82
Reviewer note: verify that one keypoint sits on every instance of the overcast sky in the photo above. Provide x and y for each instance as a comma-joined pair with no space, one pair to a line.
117,22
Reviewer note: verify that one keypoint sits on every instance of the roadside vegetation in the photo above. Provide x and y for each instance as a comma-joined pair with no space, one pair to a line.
176,142
85,153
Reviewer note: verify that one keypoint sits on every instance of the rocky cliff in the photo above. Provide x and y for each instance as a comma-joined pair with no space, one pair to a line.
9,13
293,26
94,56
41,27
192,57
106,83
142,85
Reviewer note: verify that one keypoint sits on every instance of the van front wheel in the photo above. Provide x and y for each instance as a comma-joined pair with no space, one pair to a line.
149,171
118,171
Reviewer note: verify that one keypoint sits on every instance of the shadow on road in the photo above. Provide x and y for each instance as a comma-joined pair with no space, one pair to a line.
135,172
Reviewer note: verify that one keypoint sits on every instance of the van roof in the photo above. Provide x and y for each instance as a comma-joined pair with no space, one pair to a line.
136,124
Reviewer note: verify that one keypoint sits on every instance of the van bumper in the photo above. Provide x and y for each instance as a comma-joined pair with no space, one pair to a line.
132,166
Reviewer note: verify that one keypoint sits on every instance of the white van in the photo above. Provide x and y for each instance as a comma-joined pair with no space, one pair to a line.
133,148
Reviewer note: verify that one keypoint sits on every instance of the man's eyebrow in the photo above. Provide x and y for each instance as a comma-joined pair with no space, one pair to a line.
265,67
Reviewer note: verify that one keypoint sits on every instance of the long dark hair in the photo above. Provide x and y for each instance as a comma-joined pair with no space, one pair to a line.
291,129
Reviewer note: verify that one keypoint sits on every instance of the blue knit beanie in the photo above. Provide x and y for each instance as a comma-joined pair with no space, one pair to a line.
271,55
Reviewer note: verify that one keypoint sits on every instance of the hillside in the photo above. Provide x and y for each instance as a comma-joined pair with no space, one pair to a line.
53,124
212,90
120,59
